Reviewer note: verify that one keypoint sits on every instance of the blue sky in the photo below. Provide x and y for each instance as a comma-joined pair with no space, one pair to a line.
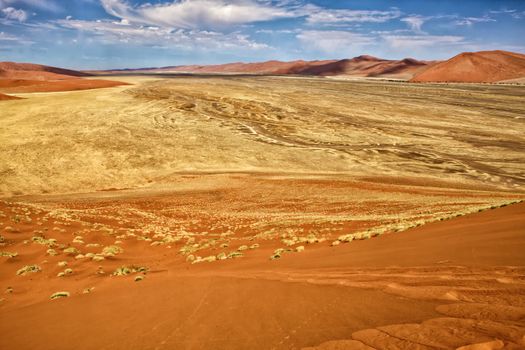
98,34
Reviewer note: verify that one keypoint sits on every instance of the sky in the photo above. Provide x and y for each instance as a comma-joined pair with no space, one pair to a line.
104,34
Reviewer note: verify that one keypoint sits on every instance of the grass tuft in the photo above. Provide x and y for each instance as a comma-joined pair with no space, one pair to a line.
58,295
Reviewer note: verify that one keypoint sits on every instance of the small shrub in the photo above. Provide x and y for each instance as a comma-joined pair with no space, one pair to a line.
112,250
58,295
47,242
126,270
51,252
210,258
92,245
139,278
71,251
234,255
62,264
98,257
28,269
9,254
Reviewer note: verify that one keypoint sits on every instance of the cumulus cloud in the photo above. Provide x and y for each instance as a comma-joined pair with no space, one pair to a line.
415,22
112,32
192,14
11,13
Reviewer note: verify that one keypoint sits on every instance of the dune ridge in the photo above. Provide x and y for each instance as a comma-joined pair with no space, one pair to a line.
364,65
13,70
29,77
476,67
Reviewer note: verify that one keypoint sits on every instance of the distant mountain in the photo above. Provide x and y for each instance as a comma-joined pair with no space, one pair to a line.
368,66
476,67
365,66
12,70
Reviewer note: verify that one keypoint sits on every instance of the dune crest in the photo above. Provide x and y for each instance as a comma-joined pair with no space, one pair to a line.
364,66
476,67
29,77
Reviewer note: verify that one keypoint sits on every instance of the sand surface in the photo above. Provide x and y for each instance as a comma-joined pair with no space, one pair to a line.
17,86
150,132
263,213
440,286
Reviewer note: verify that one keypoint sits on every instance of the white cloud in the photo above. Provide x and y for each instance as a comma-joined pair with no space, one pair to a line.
504,11
316,15
468,21
421,41
192,14
46,5
112,32
11,13
415,22
7,37
334,42
11,39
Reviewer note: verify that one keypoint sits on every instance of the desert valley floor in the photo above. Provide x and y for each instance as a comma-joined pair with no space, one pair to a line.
260,212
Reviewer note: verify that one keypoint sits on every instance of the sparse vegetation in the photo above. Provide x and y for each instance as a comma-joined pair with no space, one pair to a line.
127,270
8,254
71,251
28,269
112,250
58,295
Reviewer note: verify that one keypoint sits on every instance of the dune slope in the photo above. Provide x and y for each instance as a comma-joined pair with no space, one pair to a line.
443,285
364,66
13,70
476,67
4,97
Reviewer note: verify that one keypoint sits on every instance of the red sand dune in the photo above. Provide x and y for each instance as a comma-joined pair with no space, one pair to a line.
268,67
12,70
441,286
369,66
365,66
27,77
476,67
22,86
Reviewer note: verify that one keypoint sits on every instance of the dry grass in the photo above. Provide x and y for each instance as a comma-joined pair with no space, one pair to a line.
260,124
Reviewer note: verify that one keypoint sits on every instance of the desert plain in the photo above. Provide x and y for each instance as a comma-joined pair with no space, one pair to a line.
263,212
